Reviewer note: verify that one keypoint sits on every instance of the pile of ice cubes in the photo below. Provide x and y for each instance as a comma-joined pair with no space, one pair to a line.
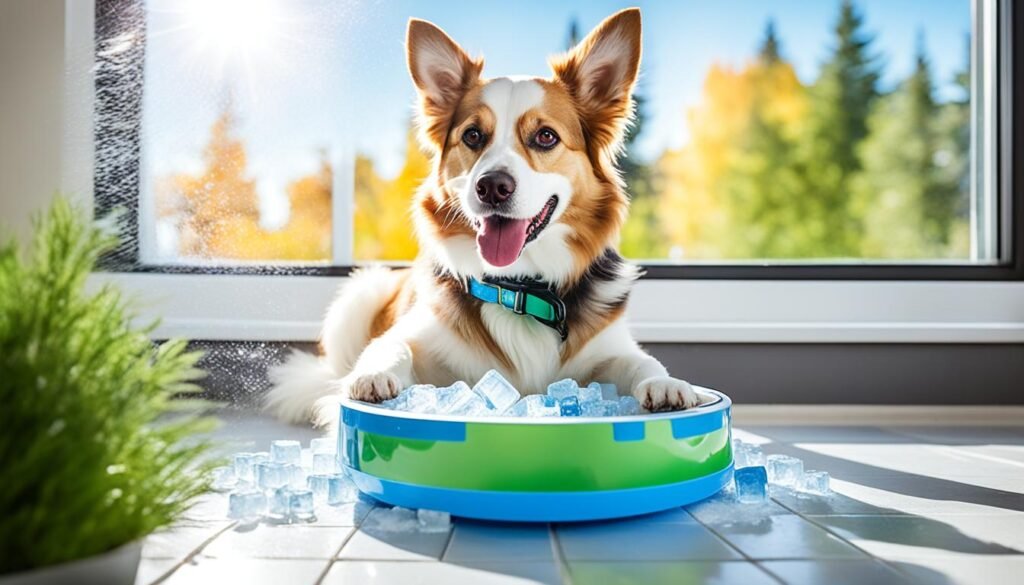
288,484
753,472
493,395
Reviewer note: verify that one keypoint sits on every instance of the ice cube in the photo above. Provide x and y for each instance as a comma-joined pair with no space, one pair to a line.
541,405
277,503
421,398
341,490
286,452
223,478
628,406
300,504
247,504
751,484
747,455
591,393
325,462
295,476
609,392
399,402
563,389
324,445
433,520
816,482
785,470
600,408
459,399
569,406
395,519
497,391
271,475
319,484
244,464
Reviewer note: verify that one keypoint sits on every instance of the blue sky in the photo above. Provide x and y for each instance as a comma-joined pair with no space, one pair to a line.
331,74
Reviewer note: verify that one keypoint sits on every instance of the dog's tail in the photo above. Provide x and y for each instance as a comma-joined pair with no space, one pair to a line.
303,379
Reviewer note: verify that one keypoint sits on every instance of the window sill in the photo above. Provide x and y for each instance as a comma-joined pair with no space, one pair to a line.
260,308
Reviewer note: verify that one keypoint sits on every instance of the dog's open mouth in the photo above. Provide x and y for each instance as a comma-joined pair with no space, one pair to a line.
501,239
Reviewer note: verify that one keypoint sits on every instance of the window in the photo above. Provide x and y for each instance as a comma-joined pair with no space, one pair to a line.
843,139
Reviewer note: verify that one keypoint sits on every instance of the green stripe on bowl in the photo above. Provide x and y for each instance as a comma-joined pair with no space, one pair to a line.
547,458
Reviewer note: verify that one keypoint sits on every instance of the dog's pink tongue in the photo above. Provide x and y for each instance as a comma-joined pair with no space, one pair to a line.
502,239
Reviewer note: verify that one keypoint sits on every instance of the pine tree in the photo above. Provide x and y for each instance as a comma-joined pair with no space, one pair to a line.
905,192
841,100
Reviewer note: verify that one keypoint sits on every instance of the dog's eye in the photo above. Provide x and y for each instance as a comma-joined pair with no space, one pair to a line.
473,137
545,138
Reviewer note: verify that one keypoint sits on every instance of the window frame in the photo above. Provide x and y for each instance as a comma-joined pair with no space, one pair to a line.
704,303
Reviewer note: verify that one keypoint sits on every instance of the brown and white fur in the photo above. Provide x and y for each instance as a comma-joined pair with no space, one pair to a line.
389,329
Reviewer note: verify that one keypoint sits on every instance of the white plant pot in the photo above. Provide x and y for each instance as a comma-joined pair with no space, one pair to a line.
116,567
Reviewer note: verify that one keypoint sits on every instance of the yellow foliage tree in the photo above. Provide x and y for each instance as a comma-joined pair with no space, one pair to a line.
383,224
691,180
217,214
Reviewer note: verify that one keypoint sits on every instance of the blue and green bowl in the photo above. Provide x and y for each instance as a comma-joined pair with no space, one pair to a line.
539,469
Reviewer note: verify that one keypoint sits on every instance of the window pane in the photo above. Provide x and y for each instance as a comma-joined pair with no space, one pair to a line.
281,131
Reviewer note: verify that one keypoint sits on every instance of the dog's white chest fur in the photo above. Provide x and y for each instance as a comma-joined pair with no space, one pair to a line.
533,348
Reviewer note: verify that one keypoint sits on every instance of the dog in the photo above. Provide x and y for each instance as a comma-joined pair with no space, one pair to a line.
518,225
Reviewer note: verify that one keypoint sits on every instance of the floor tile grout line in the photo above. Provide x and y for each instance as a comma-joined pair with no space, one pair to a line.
334,557
195,552
720,536
561,562
447,543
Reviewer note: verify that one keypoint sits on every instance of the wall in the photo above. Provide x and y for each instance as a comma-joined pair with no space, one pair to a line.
31,107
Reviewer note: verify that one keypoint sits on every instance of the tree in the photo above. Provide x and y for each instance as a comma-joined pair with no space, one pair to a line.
216,214
737,174
383,224
840,102
906,192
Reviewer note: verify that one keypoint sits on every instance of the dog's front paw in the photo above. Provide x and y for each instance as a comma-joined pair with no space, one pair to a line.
664,393
376,387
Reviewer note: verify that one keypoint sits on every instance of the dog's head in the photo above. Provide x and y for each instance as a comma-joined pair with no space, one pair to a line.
524,167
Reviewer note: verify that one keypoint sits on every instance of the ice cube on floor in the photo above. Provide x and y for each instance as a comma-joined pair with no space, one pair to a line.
785,470
300,504
319,484
497,391
459,399
816,482
277,503
295,476
569,406
341,490
433,520
223,478
751,484
285,452
244,464
590,393
628,406
247,505
609,392
325,463
600,408
324,445
395,519
747,454
563,389
271,475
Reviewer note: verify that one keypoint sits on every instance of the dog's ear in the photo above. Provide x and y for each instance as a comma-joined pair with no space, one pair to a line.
442,72
600,73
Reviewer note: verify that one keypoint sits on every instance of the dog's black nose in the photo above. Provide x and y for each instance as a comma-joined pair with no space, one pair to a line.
494,187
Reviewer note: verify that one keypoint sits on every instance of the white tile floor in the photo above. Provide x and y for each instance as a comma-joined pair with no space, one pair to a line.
913,505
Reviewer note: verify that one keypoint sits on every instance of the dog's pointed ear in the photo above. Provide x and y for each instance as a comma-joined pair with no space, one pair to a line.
442,72
600,73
